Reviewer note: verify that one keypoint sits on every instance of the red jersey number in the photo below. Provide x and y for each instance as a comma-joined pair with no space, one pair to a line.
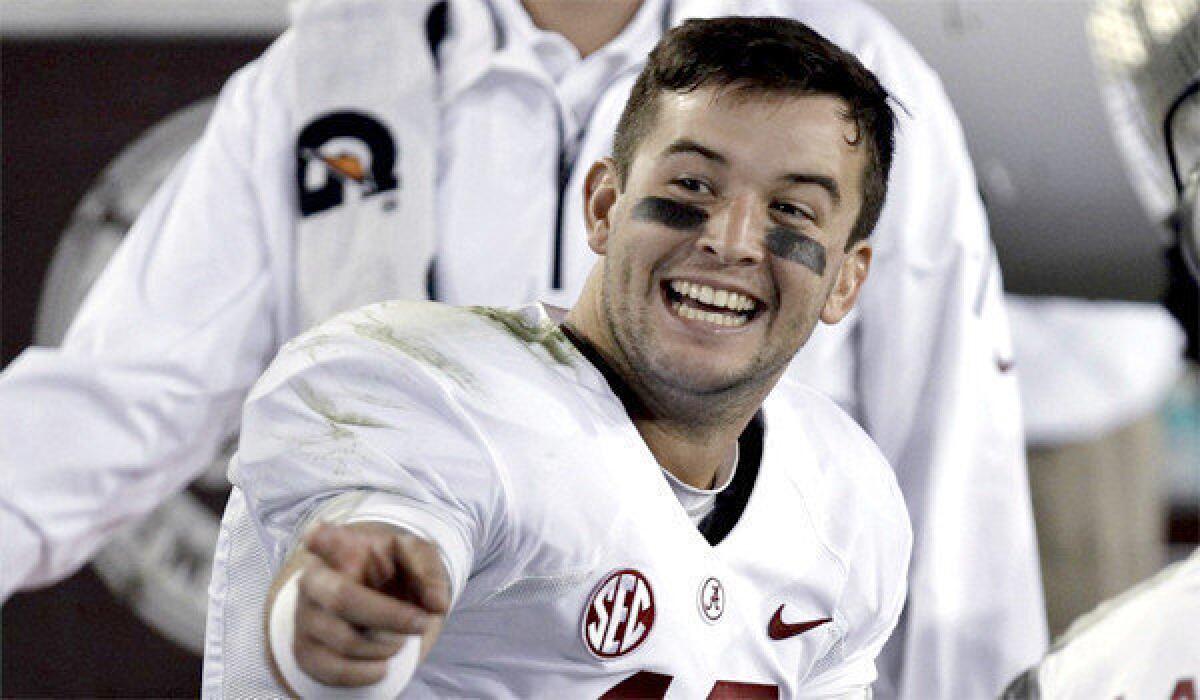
648,684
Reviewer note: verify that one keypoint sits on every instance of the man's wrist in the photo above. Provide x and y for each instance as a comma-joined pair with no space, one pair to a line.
281,634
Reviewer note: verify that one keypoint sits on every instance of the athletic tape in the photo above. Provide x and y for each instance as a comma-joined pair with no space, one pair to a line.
281,632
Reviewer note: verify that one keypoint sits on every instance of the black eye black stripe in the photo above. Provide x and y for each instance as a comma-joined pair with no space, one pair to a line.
783,242
792,245
670,213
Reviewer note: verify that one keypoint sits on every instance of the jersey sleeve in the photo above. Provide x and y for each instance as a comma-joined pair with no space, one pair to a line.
347,417
936,393
150,376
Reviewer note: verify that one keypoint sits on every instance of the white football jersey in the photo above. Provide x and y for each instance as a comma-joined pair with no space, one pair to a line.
575,570
1143,644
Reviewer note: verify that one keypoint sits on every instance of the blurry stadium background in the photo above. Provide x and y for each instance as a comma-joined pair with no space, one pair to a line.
84,79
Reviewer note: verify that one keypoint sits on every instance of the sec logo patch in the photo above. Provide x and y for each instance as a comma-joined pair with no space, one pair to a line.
619,614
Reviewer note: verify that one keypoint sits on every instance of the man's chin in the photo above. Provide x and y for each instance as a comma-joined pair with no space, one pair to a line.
688,377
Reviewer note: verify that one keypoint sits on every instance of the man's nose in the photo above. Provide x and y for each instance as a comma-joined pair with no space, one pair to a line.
736,235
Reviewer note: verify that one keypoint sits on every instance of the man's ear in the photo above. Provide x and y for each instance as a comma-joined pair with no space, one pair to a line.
600,191
851,275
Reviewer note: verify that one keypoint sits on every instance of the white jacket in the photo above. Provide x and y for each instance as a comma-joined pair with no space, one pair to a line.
202,293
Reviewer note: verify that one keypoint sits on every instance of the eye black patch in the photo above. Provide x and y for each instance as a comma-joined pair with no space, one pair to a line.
669,213
792,245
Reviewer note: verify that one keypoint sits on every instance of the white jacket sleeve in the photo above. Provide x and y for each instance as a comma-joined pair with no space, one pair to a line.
937,395
151,374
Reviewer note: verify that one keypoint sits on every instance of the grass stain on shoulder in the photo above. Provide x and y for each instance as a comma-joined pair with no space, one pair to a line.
546,334
417,349
325,407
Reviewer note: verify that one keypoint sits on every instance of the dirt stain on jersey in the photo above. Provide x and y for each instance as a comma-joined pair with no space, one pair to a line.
308,344
417,349
546,334
338,420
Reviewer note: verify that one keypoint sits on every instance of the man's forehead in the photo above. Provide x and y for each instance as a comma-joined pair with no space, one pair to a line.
741,97
708,115
784,133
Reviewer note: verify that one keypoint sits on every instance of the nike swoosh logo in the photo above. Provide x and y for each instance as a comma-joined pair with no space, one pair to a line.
778,629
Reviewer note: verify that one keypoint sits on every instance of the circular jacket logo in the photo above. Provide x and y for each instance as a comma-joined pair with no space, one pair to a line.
619,614
375,174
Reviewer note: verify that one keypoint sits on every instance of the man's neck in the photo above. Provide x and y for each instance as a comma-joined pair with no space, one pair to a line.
697,457
694,438
588,24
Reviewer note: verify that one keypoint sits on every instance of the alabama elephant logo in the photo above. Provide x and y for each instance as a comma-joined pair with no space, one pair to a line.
339,150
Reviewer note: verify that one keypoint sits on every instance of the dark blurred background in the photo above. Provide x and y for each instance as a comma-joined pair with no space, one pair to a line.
70,104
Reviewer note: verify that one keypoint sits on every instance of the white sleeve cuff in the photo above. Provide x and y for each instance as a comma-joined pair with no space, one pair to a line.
282,632
407,514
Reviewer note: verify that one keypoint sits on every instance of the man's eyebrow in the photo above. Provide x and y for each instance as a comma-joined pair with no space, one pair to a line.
689,146
823,181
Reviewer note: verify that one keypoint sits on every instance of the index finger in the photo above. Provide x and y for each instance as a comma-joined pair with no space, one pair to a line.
421,572
360,605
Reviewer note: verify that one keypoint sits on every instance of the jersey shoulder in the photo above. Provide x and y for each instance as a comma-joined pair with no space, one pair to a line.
847,485
461,345
852,504
836,447
487,362
408,397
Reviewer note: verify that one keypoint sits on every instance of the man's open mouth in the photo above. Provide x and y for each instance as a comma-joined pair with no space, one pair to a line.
715,305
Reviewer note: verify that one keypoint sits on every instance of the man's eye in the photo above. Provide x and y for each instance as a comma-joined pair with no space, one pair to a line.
791,210
692,184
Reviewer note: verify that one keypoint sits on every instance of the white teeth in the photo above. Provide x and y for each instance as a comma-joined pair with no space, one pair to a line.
713,297
712,317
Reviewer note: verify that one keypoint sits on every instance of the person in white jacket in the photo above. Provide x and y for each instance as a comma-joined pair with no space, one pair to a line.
351,164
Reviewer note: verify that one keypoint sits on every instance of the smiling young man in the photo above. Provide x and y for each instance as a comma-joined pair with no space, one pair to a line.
607,503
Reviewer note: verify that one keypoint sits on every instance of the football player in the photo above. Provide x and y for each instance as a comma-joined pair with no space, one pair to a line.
605,502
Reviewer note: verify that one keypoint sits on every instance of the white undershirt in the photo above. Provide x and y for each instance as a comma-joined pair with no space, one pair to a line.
698,503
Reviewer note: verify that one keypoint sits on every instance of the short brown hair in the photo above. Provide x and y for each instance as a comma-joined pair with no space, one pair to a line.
768,55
